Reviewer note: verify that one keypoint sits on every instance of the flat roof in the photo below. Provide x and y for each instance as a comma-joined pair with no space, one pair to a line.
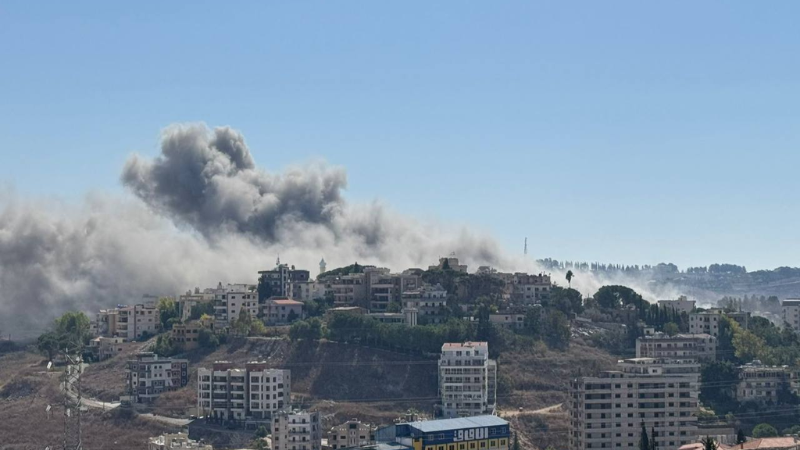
429,426
286,301
464,344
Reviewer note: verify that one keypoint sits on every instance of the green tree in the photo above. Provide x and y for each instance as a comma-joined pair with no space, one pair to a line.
569,278
644,441
671,329
165,346
48,344
292,316
72,329
709,443
261,432
264,288
207,339
556,330
764,430
243,323
532,324
740,437
748,346
201,309
167,312
615,296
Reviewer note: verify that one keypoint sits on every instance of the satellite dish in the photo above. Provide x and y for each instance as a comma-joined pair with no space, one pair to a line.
49,365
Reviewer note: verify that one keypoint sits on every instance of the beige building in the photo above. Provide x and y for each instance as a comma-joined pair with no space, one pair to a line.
230,300
187,334
467,380
761,383
791,313
528,289
681,304
128,322
349,290
508,319
429,301
279,311
106,347
607,411
352,433
694,347
191,299
705,322
451,262
296,430
176,441
253,393
149,376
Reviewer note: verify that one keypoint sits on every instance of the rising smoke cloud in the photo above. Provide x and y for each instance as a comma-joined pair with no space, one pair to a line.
202,212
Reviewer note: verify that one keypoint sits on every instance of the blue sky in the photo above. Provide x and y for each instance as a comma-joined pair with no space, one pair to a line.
631,132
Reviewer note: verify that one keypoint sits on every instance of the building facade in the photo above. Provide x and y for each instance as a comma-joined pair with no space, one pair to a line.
508,319
467,380
187,335
103,348
230,300
487,432
175,441
429,301
148,376
279,311
128,322
791,313
191,299
253,393
529,289
681,304
608,411
761,383
352,433
705,322
296,430
695,347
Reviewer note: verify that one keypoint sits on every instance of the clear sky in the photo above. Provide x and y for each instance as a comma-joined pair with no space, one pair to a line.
632,132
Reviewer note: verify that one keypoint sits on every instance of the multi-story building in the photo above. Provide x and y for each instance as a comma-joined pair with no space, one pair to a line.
277,311
693,347
174,442
103,347
608,411
128,322
296,430
508,319
451,262
487,432
352,433
282,279
230,300
467,379
705,322
529,289
408,317
149,376
187,334
791,313
250,394
681,304
306,291
761,383
191,299
429,301
349,290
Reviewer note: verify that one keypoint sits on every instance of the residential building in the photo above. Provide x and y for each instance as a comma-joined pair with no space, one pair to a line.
761,383
176,441
529,289
487,432
187,334
429,301
693,347
508,319
230,300
705,322
450,262
740,317
349,290
279,311
191,299
306,291
607,411
103,347
352,433
148,376
296,430
408,316
128,322
681,304
467,380
281,280
791,313
773,443
253,393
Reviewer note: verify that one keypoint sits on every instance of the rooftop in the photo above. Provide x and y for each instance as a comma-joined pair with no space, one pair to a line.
285,302
453,345
429,426
763,443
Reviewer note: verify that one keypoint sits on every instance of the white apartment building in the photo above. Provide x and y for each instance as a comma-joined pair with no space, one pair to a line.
681,304
705,322
149,376
791,313
296,430
175,441
761,383
429,301
607,411
128,322
231,299
352,433
467,380
250,394
306,291
693,347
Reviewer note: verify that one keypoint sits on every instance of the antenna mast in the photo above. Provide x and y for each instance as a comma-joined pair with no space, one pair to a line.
525,250
72,382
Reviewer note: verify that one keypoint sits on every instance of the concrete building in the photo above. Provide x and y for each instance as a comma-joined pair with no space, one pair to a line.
253,393
306,291
791,313
280,311
282,279
349,290
761,383
705,322
429,301
191,299
694,347
529,289
128,322
450,262
486,432
174,442
508,319
681,304
774,443
467,380
408,316
103,347
149,376
607,411
187,334
231,299
296,430
352,433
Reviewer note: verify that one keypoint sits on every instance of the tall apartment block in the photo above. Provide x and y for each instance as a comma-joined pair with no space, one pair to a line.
791,313
148,376
680,346
467,380
128,322
608,411
296,430
252,393
230,300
